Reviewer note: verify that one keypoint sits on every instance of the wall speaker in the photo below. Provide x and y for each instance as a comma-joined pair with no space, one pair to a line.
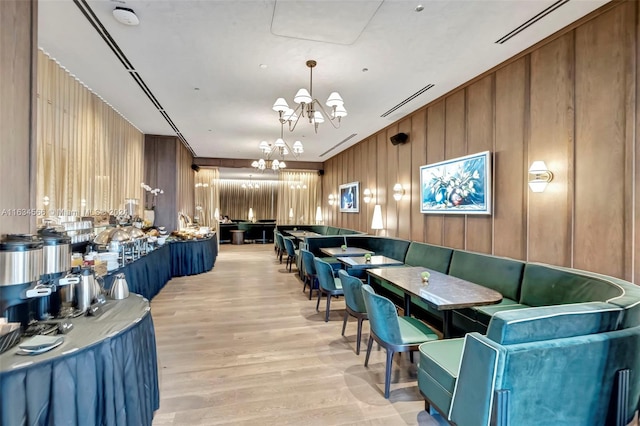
321,172
399,139
195,167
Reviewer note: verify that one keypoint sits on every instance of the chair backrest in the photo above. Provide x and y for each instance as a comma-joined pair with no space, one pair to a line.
288,244
280,241
325,275
307,262
352,288
383,317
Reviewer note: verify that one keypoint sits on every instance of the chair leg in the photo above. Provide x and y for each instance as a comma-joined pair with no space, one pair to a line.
318,303
387,375
411,356
369,346
326,315
304,281
359,336
344,323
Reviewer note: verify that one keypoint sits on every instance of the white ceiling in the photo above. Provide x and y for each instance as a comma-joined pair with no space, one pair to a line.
201,60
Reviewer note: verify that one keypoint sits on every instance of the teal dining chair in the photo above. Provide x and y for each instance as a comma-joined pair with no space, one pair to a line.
309,267
280,243
393,332
291,251
354,303
329,285
301,246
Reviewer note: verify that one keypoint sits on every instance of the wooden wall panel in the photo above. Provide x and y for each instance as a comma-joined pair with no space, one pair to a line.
381,177
371,161
551,140
455,146
418,141
509,165
18,35
480,96
361,173
392,178
600,203
434,223
405,174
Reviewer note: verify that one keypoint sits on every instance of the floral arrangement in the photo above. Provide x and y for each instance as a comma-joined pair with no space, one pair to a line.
425,276
367,257
343,247
154,193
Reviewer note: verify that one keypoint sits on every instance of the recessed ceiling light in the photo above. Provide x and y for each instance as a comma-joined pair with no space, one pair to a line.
263,66
419,8
365,69
196,88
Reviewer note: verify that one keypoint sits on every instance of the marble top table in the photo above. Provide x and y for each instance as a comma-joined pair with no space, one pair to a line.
348,252
375,262
443,292
302,234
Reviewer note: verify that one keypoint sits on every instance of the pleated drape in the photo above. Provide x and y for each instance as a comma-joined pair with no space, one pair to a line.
207,196
89,158
298,195
235,200
185,181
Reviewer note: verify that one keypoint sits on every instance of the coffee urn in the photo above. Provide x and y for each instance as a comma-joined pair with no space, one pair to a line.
56,254
21,264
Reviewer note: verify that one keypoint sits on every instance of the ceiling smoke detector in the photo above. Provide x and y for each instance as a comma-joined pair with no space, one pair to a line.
125,16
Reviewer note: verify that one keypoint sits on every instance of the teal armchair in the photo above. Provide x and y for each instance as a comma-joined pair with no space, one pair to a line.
394,333
354,303
291,252
310,276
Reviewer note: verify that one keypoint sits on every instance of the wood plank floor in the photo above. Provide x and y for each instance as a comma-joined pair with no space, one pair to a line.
242,344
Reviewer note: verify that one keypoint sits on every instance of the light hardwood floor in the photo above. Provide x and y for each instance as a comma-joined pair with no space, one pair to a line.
242,344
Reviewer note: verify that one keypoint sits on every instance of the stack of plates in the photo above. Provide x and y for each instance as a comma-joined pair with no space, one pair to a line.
39,344
110,258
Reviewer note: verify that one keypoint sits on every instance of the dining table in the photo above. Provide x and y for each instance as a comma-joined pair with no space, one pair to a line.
346,252
361,262
443,292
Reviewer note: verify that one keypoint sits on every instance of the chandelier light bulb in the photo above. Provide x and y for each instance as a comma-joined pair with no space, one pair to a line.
280,143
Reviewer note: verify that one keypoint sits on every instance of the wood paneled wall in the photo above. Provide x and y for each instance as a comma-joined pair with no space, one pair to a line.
570,101
167,165
18,37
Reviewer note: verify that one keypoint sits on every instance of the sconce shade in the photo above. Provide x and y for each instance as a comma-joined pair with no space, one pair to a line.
367,195
216,214
398,192
291,213
250,213
318,214
539,176
376,222
331,199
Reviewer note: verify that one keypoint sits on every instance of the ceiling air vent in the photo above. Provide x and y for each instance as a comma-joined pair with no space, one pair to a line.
353,135
409,99
531,21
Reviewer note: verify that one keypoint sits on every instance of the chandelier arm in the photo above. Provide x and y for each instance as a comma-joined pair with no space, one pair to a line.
300,106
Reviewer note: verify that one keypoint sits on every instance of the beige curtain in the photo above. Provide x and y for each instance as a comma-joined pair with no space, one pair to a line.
299,196
89,158
235,200
207,196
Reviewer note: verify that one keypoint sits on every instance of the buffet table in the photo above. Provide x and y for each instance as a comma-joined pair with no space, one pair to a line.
105,373
150,273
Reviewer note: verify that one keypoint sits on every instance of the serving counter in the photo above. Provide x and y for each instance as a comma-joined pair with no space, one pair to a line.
105,373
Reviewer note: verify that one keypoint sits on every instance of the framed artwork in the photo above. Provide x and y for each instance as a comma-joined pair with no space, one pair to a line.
350,197
457,186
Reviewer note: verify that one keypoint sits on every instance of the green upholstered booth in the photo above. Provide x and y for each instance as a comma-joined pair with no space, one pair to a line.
571,364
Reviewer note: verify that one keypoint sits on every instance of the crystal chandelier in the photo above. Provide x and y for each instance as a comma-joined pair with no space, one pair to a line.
310,108
278,149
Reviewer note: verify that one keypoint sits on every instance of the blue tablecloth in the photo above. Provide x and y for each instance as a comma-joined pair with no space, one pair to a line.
105,373
193,257
149,274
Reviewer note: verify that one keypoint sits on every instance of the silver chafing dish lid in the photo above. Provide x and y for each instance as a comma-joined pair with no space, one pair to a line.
135,233
113,234
20,242
51,237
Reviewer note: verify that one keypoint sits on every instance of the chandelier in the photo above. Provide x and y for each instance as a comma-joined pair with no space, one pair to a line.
309,107
250,185
278,149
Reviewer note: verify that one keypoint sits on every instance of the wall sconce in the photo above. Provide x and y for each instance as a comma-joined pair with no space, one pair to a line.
332,199
250,213
376,222
398,192
216,214
539,176
290,213
367,195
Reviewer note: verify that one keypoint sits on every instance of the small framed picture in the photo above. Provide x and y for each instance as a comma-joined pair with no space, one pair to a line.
350,197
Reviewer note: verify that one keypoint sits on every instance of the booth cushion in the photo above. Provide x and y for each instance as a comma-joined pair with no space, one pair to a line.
390,247
438,370
498,273
544,285
429,256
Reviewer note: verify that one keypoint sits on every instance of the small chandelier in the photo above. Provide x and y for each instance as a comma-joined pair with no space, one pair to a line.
309,107
250,185
279,148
